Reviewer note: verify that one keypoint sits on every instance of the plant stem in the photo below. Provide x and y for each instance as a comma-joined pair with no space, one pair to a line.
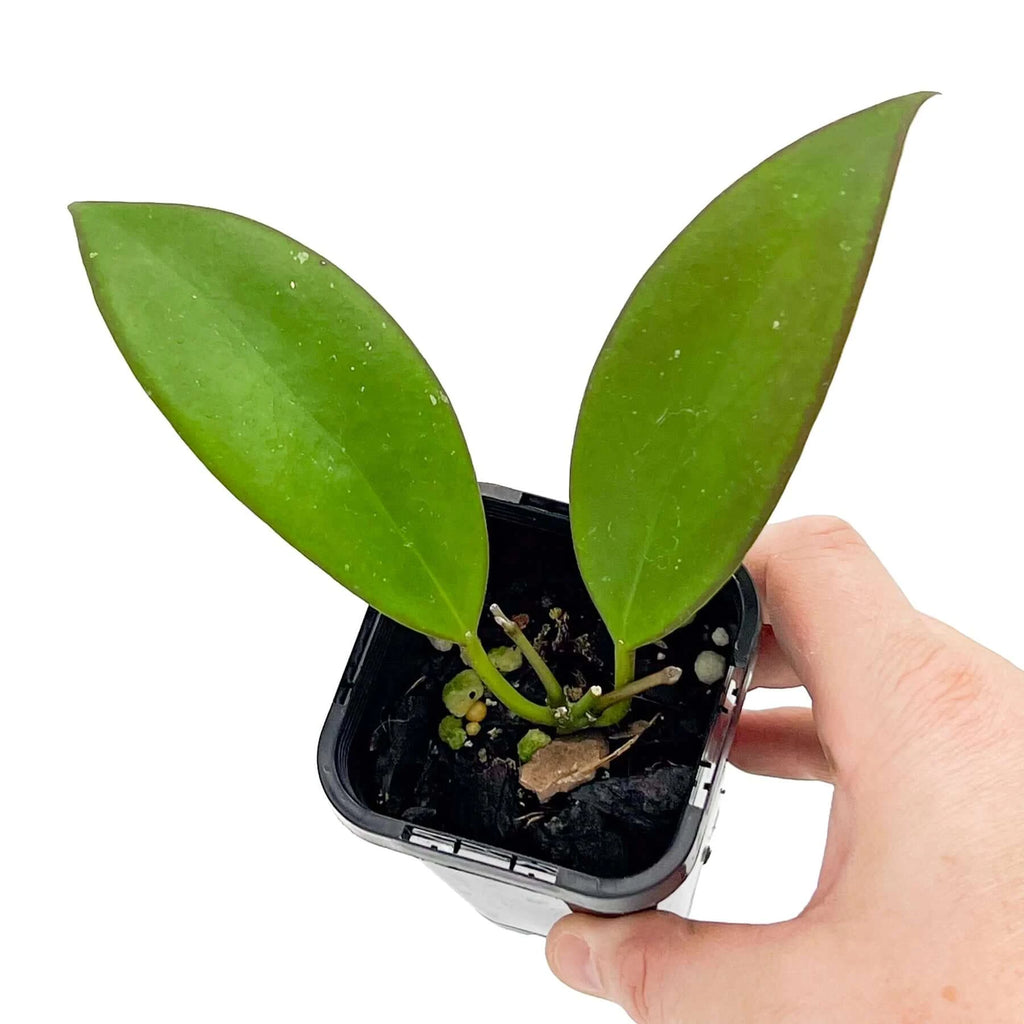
501,688
556,695
625,665
664,677
625,670
585,711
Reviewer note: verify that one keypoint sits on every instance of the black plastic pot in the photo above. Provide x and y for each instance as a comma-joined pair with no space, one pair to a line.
512,890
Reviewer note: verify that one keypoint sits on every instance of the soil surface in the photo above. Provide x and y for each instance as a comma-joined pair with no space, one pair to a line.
626,818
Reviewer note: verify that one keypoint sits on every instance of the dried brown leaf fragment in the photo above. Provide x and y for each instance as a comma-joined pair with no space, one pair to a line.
569,761
563,765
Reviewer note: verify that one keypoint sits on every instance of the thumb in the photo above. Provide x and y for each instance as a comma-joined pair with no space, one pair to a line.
663,969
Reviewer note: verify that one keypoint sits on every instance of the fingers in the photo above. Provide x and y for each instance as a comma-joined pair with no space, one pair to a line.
661,968
839,618
782,743
773,669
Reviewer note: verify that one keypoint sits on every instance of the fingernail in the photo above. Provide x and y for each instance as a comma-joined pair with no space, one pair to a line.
574,964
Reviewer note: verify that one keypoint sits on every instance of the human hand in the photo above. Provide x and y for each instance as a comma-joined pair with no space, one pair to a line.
919,911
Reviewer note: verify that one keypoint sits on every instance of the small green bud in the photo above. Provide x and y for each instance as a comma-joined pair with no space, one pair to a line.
505,659
462,691
531,743
451,732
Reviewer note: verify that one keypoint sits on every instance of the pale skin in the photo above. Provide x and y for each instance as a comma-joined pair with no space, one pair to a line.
918,916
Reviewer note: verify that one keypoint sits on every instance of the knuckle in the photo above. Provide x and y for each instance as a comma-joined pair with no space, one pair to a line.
929,669
816,537
807,543
830,534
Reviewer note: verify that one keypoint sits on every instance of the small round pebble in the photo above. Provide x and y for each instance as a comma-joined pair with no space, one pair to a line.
720,637
476,712
709,666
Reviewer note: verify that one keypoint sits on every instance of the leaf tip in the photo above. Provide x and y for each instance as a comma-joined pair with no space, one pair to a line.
80,211
922,97
913,101
79,207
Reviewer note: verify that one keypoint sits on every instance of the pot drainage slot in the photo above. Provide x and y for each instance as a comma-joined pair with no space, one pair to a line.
483,855
534,869
431,840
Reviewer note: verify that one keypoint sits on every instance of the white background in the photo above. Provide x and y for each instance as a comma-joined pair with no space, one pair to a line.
499,176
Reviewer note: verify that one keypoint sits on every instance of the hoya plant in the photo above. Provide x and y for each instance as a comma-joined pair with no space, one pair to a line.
309,402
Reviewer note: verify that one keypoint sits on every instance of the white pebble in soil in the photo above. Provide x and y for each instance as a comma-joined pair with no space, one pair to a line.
720,637
709,666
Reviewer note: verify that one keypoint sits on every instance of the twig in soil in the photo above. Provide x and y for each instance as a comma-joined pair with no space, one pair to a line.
633,729
526,820
638,732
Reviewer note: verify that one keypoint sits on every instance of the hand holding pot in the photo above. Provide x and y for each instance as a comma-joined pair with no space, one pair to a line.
919,910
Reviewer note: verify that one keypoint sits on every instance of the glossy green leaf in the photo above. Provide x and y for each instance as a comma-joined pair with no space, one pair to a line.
704,393
303,396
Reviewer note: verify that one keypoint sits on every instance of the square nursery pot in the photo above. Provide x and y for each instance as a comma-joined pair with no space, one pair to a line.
523,865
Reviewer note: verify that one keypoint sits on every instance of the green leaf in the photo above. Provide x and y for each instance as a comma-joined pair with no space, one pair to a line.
303,396
704,393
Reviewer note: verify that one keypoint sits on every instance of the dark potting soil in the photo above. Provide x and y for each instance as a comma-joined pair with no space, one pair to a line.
618,824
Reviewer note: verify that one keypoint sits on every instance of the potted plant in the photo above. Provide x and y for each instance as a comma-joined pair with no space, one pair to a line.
541,698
